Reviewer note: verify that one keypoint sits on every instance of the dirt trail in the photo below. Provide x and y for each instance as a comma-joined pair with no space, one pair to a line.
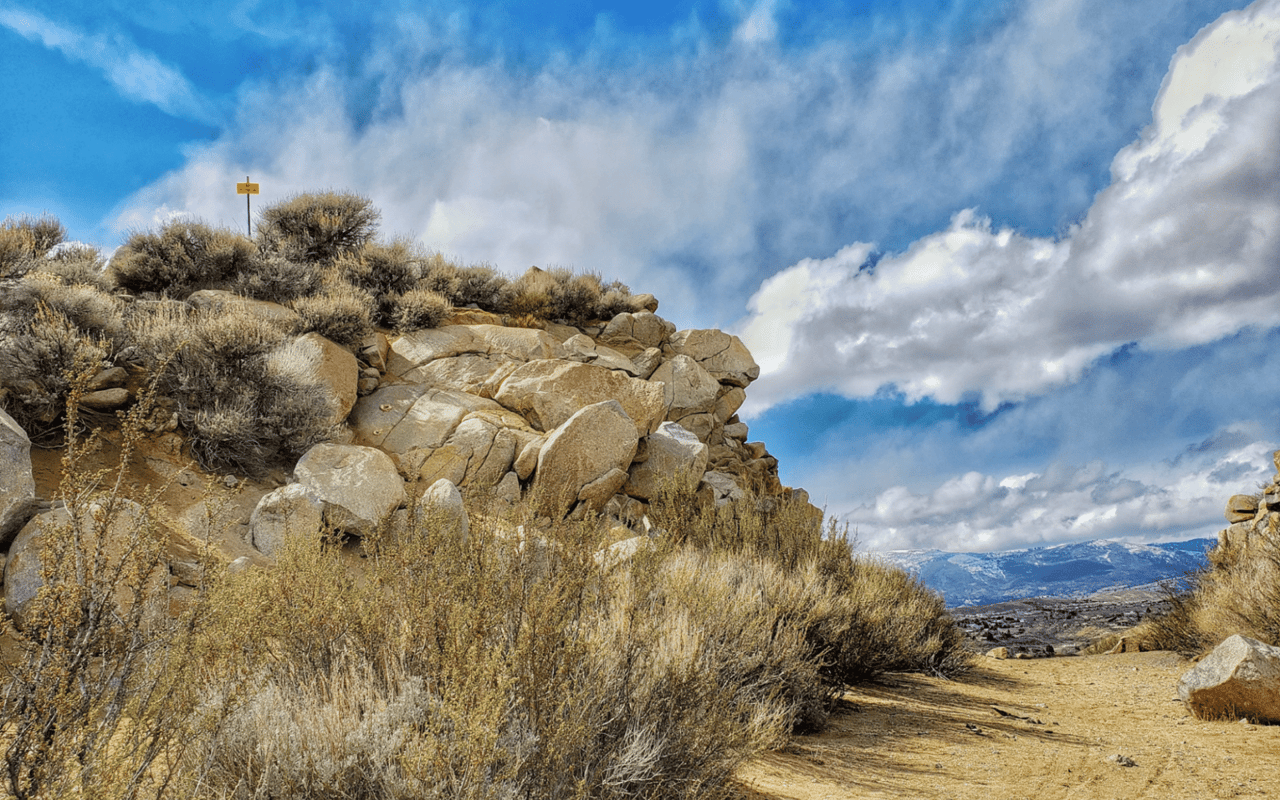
1065,720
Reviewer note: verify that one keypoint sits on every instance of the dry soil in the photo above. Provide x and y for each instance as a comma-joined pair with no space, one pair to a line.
1107,726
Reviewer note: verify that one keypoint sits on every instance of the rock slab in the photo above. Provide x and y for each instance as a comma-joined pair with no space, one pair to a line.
17,485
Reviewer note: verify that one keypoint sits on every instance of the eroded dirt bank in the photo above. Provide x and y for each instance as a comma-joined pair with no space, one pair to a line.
1038,729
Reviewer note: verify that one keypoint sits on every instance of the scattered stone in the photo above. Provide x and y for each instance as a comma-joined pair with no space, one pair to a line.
1127,644
1122,760
1001,653
1241,677
105,399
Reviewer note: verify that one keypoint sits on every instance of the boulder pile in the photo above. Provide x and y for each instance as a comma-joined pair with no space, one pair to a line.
1251,514
577,422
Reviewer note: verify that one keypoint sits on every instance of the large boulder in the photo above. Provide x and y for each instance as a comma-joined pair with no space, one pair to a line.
722,355
516,344
23,571
466,373
17,485
687,388
316,361
292,510
359,486
1240,678
1241,508
676,460
547,393
219,300
587,448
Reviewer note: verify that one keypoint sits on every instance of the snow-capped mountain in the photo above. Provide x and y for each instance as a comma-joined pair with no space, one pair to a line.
1063,570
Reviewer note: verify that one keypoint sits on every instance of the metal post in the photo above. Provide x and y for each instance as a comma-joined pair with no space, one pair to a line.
248,219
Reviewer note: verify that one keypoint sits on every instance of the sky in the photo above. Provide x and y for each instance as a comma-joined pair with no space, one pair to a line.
1011,268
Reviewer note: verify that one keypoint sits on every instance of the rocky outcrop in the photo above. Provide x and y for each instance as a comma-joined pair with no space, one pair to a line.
1239,679
17,486
548,392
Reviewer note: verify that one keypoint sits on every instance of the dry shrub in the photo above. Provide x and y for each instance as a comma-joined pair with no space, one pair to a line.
276,279
240,407
38,356
481,667
341,313
183,257
380,269
25,240
477,285
76,265
318,227
880,620
100,700
417,309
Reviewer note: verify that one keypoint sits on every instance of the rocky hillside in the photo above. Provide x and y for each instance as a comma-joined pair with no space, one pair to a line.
581,421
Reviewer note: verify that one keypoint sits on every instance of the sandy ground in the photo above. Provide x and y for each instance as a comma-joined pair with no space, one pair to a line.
1065,722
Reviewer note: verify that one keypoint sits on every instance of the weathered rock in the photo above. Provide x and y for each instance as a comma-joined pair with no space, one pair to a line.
548,392
358,485
465,373
1240,678
594,495
112,378
374,350
676,460
445,463
584,350
292,510
1127,644
630,333
701,425
1001,653
508,489
22,572
737,431
687,388
1241,508
105,399
489,451
518,344
587,447
527,461
729,401
442,509
404,417
722,355
17,484
646,361
316,361
1236,536
722,488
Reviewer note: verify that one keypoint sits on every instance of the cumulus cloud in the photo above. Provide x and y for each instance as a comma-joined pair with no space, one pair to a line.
1181,249
693,170
135,73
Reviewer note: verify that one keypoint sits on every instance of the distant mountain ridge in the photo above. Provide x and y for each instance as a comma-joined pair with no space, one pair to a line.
1063,570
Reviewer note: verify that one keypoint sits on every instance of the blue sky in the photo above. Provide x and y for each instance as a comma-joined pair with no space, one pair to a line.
1011,268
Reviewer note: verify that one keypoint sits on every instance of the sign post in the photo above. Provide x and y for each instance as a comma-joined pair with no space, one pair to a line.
247,189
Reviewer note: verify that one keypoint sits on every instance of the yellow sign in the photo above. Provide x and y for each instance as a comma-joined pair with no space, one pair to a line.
246,188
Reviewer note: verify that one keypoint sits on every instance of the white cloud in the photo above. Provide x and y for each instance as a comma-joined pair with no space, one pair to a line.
693,171
1181,249
138,75
976,512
